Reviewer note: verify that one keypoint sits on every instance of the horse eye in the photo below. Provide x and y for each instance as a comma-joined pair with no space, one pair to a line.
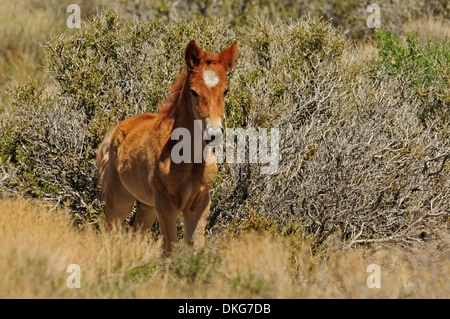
194,93
225,93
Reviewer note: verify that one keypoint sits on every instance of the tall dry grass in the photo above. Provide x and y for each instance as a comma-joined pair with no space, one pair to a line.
37,246
25,25
428,27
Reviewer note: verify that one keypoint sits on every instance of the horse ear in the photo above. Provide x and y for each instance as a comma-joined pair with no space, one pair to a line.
193,54
228,56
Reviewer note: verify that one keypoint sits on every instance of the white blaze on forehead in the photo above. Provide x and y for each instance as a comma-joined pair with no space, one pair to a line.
211,79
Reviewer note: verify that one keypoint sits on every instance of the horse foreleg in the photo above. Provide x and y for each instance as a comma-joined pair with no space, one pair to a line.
167,216
195,221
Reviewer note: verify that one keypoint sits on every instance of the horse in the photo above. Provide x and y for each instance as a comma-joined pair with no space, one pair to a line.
135,163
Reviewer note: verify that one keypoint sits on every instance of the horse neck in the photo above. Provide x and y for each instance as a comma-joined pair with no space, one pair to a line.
181,116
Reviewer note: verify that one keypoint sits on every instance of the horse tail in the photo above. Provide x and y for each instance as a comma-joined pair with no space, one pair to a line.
103,158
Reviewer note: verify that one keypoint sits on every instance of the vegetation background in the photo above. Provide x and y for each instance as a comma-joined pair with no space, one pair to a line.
364,171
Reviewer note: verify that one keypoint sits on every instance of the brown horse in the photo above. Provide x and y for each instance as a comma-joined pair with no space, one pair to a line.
135,161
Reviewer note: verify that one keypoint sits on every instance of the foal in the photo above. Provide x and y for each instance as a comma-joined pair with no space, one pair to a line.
134,161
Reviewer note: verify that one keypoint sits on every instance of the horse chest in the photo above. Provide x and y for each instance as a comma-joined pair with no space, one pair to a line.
185,182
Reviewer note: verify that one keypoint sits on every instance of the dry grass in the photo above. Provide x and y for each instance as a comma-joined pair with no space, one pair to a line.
38,245
429,28
25,25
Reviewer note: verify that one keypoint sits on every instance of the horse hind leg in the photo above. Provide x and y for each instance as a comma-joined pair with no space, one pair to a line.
195,221
118,201
144,218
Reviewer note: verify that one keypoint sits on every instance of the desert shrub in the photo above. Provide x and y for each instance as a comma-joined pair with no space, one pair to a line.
47,151
354,157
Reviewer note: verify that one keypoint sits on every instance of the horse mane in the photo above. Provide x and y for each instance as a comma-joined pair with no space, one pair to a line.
173,95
